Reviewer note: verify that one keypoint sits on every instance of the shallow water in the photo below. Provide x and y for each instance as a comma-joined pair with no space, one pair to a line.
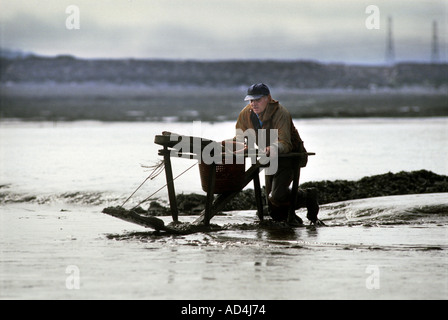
84,161
119,260
57,177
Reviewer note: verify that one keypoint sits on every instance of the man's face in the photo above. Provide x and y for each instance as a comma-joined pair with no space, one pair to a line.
259,105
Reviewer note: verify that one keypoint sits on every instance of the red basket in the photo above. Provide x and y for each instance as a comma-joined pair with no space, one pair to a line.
228,176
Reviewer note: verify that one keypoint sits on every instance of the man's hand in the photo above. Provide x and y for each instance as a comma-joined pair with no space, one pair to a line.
267,151
270,152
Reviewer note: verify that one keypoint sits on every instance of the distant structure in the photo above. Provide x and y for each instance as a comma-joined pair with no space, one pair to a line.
390,54
435,58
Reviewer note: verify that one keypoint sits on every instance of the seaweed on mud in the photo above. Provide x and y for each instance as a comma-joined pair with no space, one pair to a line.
401,183
388,184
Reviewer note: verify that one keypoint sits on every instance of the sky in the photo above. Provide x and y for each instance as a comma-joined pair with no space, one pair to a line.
329,31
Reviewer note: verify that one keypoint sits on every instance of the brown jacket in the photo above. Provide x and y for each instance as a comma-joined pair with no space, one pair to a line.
278,117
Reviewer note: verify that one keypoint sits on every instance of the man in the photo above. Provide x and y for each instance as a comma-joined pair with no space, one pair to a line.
263,112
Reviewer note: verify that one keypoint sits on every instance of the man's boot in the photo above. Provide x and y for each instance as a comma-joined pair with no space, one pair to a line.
312,204
308,198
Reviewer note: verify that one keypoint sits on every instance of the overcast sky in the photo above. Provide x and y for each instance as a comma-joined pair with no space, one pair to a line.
322,30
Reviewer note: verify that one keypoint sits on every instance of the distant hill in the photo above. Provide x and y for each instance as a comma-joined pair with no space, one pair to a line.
65,88
279,74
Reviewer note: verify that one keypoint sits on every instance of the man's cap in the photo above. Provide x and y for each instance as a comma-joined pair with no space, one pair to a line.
256,91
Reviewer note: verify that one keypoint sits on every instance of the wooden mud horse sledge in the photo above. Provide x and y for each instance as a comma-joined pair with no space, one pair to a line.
223,177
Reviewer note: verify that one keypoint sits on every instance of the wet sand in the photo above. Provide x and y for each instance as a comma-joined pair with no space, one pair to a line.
46,253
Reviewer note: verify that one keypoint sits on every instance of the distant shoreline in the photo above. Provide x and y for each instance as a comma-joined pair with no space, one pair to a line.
65,88
115,102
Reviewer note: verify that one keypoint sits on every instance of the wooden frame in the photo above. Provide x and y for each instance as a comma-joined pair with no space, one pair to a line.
169,141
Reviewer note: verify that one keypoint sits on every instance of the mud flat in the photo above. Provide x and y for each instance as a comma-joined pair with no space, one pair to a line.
365,252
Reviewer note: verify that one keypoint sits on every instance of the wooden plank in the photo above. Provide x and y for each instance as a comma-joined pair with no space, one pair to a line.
132,216
258,198
174,153
170,185
156,223
210,194
173,140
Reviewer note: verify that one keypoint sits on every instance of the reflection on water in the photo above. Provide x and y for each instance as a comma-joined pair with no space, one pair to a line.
279,234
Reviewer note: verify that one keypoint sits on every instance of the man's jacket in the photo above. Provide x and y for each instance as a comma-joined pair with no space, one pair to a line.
275,116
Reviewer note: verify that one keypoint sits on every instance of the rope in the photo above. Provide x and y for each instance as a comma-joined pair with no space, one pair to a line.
147,198
158,168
